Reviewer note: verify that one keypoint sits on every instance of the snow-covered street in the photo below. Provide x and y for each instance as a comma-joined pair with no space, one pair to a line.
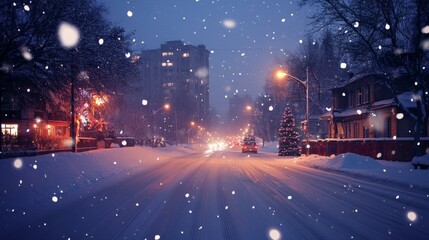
189,193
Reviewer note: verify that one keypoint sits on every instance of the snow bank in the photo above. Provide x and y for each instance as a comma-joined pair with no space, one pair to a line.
423,160
354,164
352,161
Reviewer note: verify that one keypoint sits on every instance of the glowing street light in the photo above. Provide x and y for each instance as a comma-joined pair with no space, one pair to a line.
282,74
192,123
166,107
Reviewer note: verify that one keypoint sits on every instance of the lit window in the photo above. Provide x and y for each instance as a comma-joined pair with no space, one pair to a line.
168,84
167,64
185,55
167,54
9,129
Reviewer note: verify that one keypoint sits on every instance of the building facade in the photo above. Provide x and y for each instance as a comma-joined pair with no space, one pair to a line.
177,74
29,127
371,106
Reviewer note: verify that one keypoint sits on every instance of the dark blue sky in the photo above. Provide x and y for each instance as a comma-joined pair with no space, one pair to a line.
242,55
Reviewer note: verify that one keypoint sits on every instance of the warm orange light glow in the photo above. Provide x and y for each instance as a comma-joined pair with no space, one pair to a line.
166,106
280,74
99,100
248,107
192,123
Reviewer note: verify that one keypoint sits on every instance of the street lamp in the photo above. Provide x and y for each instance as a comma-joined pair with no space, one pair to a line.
192,123
154,112
282,74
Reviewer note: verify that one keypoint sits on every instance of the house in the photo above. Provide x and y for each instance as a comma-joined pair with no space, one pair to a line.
371,106
25,126
371,115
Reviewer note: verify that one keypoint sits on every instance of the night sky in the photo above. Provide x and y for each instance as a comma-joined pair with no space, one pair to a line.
245,36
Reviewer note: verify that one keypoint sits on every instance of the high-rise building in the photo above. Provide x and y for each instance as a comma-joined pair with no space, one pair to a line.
177,74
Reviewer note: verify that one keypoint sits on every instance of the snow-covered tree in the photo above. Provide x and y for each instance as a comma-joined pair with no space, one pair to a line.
288,136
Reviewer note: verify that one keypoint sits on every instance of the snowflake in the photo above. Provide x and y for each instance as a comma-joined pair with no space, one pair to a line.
68,35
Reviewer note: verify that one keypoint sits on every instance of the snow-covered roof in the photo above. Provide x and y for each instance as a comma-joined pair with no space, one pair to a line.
326,116
421,160
351,112
406,99
356,78
346,113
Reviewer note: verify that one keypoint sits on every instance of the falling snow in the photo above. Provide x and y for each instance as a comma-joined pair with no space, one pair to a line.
68,35
263,180
229,23
17,163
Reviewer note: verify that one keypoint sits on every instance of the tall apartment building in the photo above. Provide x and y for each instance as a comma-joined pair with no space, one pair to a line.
177,74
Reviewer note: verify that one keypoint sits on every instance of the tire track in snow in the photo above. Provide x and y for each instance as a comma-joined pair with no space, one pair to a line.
317,185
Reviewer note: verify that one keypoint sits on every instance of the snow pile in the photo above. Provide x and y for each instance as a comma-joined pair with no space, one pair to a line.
352,161
423,160
362,166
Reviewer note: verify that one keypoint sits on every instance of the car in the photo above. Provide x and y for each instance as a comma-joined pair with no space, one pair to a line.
249,147
157,142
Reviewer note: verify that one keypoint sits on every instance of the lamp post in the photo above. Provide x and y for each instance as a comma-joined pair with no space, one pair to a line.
283,74
192,123
154,112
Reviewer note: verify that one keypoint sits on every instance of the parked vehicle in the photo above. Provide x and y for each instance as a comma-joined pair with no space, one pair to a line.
157,142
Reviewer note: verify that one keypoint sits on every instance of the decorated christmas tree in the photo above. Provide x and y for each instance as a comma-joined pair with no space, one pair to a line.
288,136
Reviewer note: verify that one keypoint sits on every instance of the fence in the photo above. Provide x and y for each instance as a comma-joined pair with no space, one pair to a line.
86,144
400,149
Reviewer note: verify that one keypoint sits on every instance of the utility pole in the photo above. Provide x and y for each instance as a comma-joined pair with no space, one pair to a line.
72,125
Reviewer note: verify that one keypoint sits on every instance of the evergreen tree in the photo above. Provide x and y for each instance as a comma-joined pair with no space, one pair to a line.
288,136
